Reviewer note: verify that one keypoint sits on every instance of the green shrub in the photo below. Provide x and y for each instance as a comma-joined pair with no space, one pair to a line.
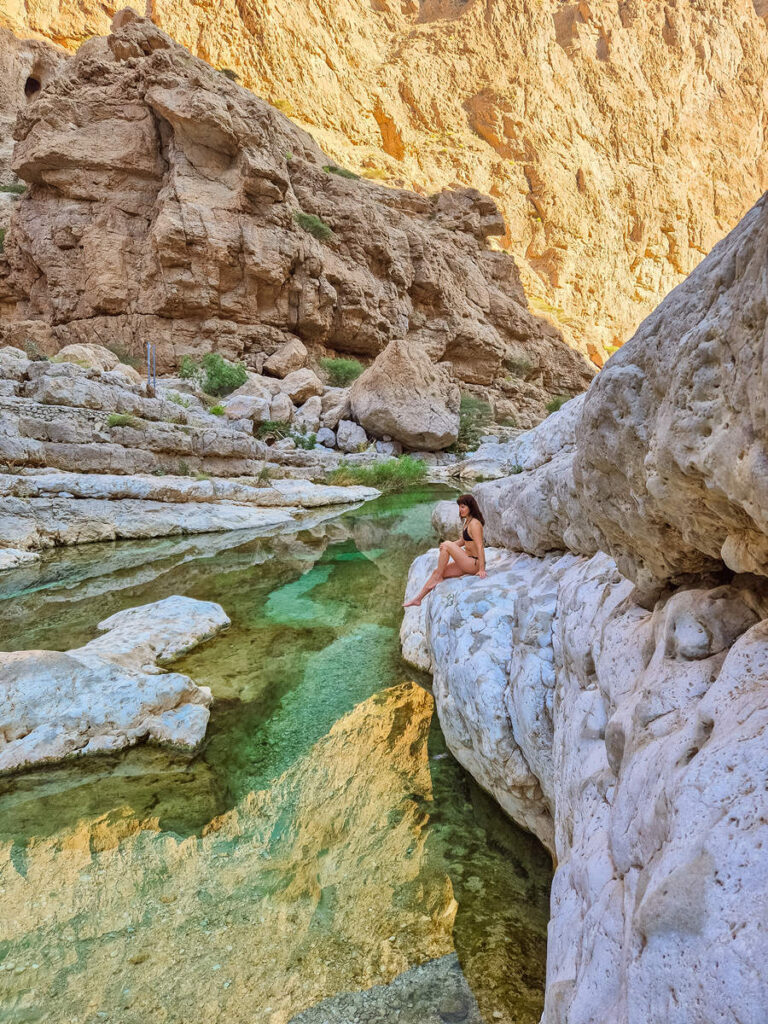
314,225
514,470
126,357
474,417
284,106
391,476
265,475
17,189
557,403
289,156
2,239
202,476
188,368
230,74
183,400
307,441
274,428
216,410
341,171
341,372
121,419
519,367
222,377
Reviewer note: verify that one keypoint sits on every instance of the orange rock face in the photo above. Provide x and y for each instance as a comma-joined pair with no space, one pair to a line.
169,205
620,138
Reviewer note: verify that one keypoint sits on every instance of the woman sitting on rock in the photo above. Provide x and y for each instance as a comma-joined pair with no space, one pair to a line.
465,557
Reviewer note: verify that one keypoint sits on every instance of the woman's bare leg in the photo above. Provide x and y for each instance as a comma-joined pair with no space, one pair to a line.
464,564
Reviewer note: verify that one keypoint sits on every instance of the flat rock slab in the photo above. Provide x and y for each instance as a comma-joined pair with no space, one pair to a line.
110,693
39,523
53,483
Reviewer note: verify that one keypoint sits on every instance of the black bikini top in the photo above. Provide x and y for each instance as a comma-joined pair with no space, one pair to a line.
465,532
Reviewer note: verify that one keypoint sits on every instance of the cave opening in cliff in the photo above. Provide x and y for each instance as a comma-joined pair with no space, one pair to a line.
31,86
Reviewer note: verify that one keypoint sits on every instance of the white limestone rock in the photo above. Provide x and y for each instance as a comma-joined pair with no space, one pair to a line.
350,436
12,558
289,357
110,693
629,740
307,417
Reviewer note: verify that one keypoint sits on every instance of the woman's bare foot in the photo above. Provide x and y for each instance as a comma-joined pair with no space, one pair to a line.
414,603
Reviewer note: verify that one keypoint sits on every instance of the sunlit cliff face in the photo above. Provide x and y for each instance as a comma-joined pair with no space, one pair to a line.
619,138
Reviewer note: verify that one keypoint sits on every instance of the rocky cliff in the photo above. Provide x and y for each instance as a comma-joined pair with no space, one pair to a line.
607,681
620,138
170,205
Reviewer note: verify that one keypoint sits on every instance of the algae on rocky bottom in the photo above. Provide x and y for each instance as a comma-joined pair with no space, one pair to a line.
322,842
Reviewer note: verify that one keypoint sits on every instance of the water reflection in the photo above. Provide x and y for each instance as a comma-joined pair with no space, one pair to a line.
321,842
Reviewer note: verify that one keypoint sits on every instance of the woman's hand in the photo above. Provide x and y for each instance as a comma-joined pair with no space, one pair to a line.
482,574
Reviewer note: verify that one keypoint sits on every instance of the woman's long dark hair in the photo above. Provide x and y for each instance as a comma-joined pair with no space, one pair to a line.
474,508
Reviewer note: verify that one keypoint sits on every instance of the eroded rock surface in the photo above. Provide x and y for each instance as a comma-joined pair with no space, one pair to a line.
609,684
629,740
110,693
169,205
639,117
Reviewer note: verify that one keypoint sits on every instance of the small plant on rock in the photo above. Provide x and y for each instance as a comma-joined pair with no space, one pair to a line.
183,400
2,239
265,475
342,172
341,372
16,189
230,74
273,429
216,410
557,403
121,419
222,377
307,441
514,470
474,417
314,225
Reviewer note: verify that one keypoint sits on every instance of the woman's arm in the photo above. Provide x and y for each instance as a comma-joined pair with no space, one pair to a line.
476,532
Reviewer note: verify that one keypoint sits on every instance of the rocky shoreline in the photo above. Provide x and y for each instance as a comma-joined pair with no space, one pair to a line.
607,681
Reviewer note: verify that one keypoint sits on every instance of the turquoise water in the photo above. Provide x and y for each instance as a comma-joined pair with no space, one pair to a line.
314,639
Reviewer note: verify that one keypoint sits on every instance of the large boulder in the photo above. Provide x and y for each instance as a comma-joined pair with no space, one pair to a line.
289,357
405,396
96,357
300,385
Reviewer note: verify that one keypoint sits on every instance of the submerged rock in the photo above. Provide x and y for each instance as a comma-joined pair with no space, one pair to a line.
110,693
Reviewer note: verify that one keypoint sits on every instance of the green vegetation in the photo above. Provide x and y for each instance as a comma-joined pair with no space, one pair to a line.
17,189
276,429
375,173
514,470
519,367
285,107
121,419
2,239
391,476
610,349
216,375
289,156
314,225
230,74
188,368
307,441
474,417
202,476
557,403
216,410
183,469
508,421
342,172
341,372
265,475
183,400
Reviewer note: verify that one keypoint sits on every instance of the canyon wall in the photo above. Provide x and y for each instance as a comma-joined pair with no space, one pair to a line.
621,139
170,205
607,680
